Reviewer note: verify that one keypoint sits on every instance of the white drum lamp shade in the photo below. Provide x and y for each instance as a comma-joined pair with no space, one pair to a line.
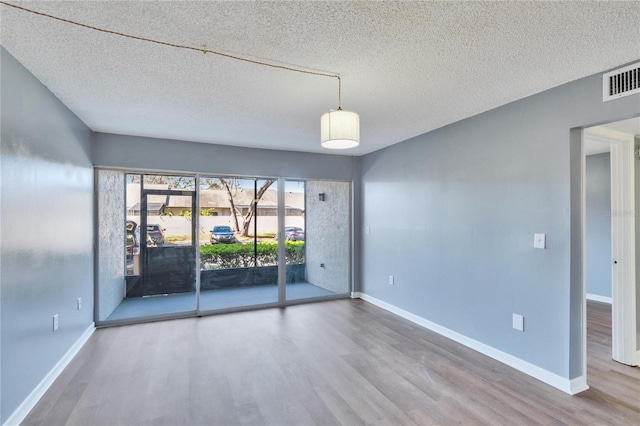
340,129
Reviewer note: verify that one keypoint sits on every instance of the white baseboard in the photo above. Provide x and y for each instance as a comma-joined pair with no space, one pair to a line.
355,295
571,387
598,298
30,401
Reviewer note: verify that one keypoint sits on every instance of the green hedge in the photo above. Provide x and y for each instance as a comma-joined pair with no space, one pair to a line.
226,256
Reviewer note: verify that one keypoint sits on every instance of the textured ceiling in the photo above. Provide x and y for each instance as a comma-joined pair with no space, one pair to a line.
407,67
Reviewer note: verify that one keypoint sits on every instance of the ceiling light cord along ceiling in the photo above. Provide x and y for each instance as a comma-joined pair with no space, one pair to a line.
179,46
333,137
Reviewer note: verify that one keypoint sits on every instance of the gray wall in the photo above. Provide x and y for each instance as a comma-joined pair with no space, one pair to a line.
598,225
161,154
46,229
327,235
452,215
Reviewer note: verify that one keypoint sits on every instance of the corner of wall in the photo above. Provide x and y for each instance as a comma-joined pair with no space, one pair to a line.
356,225
20,413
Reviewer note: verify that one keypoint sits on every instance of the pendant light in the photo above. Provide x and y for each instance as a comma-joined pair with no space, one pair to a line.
339,129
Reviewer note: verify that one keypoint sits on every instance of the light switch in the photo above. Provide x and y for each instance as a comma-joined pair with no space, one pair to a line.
518,322
540,241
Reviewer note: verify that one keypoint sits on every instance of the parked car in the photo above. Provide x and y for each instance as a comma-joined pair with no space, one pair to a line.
150,241
292,233
133,246
222,234
156,232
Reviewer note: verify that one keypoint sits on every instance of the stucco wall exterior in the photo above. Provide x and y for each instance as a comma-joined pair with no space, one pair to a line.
111,240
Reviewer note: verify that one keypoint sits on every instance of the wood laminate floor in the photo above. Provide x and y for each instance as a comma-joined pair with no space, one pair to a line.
340,362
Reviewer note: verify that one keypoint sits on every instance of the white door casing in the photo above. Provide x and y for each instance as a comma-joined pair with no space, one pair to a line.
622,242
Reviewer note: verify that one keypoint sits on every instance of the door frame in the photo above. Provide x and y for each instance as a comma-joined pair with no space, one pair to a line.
623,276
144,255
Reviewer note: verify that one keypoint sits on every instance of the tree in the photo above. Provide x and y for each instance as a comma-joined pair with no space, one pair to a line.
172,182
210,183
234,211
246,218
254,206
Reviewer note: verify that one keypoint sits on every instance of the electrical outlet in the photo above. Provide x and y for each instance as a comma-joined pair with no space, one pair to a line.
79,303
55,322
518,322
390,279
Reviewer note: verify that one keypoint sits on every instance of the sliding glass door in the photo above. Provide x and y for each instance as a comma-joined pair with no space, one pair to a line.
201,244
160,249
239,250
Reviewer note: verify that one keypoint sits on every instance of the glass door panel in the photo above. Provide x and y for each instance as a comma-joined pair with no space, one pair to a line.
238,253
160,247
294,236
318,239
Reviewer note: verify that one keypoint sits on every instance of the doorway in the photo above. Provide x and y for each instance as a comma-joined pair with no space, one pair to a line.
167,256
160,278
238,224
598,221
614,143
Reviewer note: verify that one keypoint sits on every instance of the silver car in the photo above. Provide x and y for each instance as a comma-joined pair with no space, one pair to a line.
292,233
222,234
